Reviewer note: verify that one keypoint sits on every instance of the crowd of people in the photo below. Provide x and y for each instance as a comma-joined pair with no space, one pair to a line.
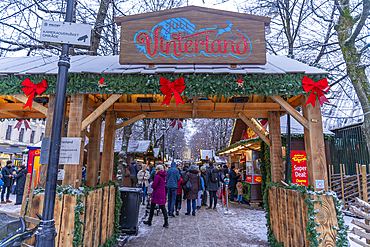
179,182
12,181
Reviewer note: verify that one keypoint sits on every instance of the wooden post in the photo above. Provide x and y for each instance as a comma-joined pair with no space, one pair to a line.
344,169
30,197
358,180
341,183
329,178
93,153
25,194
77,112
364,192
276,154
315,147
48,129
106,172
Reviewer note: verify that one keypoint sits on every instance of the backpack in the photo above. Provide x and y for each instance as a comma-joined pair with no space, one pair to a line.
214,175
187,186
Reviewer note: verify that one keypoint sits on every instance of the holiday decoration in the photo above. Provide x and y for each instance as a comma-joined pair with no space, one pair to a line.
240,82
179,124
19,124
101,82
30,89
176,87
316,87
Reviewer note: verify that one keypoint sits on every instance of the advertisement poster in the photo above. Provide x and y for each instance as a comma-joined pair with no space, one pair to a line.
299,167
257,179
34,163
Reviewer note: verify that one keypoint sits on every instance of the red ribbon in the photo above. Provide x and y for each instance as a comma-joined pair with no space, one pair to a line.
318,87
179,124
176,87
30,89
19,124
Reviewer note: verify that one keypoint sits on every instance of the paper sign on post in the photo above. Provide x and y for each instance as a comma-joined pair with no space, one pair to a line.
70,151
61,173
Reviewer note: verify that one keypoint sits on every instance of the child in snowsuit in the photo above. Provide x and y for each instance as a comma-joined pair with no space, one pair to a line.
239,187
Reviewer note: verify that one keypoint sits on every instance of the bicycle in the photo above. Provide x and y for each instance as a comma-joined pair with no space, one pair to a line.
16,238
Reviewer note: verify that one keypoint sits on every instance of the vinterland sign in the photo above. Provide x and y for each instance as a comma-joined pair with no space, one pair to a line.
65,33
193,35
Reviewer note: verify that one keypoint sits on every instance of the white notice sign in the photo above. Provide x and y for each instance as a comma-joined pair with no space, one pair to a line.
70,151
65,33
61,173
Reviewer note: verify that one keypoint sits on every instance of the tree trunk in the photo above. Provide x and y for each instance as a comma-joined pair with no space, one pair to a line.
98,27
355,70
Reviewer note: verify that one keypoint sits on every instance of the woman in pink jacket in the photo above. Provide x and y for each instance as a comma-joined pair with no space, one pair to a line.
158,195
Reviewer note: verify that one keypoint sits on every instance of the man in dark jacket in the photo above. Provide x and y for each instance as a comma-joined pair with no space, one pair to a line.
212,182
134,169
225,170
173,177
233,180
7,173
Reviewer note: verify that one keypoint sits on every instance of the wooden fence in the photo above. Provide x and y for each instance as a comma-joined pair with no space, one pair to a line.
351,186
98,217
288,217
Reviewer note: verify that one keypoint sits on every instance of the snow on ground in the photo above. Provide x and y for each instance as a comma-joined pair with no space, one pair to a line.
348,220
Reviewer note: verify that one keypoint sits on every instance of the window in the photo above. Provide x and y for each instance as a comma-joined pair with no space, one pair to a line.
32,138
42,136
8,132
21,134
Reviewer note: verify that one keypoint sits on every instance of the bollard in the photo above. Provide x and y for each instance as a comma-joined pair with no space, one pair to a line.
227,201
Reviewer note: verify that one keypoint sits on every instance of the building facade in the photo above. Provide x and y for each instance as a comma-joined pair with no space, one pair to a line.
14,140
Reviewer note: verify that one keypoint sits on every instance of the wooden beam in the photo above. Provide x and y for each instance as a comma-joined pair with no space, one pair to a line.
12,114
254,128
78,111
106,172
276,155
93,153
201,114
130,121
195,107
35,105
202,105
98,111
303,121
314,145
48,130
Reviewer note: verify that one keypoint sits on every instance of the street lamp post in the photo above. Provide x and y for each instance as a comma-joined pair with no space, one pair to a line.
46,232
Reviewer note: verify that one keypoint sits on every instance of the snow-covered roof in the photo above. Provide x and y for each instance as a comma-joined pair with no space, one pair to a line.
137,146
221,159
110,65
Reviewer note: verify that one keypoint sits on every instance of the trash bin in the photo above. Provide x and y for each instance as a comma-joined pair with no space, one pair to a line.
129,219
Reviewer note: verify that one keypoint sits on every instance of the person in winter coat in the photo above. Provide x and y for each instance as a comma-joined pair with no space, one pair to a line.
134,169
179,195
212,182
225,170
7,173
201,190
143,179
192,195
233,176
158,196
20,179
204,196
239,187
173,177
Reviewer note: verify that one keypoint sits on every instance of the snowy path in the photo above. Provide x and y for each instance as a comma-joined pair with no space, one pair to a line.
244,227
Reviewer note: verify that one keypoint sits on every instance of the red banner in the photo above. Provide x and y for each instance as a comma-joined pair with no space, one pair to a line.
249,178
299,167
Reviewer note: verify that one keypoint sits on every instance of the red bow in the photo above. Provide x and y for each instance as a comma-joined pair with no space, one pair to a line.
19,124
318,87
176,87
30,89
179,124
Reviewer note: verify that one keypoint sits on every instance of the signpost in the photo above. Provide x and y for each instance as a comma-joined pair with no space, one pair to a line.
65,33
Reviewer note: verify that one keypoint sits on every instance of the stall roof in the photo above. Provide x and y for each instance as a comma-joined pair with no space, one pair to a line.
110,65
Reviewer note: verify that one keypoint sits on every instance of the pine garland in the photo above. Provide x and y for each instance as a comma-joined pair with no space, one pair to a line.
247,186
196,84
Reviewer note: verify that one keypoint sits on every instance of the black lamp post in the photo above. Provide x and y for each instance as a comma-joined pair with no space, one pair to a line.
164,129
